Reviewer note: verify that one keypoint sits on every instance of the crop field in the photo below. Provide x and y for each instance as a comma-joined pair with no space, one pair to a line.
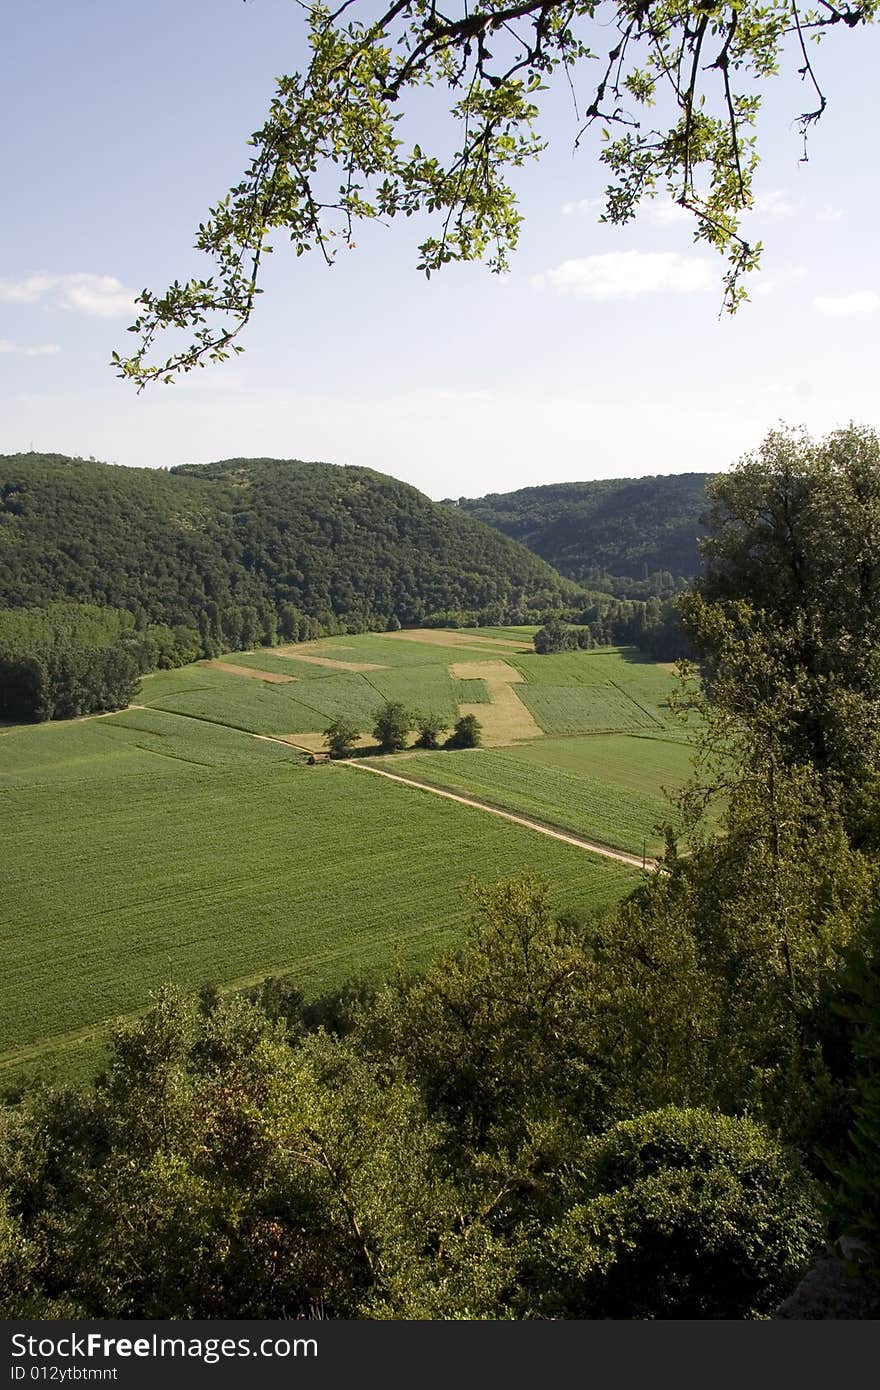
416,649
582,709
144,744
524,630
301,707
471,691
168,842
607,789
425,689
137,851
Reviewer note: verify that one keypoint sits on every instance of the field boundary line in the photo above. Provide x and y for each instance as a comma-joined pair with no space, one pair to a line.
566,836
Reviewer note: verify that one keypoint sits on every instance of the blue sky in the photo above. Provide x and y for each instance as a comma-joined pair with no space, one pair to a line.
601,354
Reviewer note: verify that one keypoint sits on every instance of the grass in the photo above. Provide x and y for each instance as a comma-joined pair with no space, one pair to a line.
585,709
306,706
524,630
138,744
166,843
185,851
471,691
388,650
607,788
422,689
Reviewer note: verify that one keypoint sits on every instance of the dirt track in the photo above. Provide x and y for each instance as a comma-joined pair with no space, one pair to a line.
605,851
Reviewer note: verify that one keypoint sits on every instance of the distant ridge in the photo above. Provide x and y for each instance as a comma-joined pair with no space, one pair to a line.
244,549
614,533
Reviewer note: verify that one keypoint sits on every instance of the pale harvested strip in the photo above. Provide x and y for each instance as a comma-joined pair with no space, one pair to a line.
297,653
505,719
251,672
442,637
590,846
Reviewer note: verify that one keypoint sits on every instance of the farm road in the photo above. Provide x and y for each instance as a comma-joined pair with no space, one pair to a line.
565,836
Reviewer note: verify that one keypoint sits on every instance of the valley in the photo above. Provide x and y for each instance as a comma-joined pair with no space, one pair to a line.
187,839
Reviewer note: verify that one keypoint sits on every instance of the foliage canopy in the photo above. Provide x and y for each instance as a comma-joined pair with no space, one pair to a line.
674,88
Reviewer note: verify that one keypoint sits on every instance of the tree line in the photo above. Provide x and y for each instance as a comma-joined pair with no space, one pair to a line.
392,725
67,660
654,627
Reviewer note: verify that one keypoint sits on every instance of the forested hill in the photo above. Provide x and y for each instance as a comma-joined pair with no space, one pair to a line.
620,533
248,549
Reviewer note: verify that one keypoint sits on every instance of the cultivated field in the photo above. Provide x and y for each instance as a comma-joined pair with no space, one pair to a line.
186,839
608,789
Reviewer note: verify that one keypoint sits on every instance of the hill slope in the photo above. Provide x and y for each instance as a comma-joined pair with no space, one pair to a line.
627,529
239,546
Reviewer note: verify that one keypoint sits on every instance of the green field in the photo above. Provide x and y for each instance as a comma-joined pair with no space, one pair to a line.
586,709
145,847
607,789
169,843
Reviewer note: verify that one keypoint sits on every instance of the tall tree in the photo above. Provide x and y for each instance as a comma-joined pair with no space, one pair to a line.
787,614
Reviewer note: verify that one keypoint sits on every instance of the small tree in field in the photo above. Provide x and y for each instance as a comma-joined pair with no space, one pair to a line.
468,733
555,637
429,727
341,737
393,723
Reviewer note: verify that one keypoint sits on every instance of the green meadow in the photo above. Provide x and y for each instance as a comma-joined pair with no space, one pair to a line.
180,841
609,789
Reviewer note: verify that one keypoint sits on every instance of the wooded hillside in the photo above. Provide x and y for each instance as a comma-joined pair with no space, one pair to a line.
635,536
244,550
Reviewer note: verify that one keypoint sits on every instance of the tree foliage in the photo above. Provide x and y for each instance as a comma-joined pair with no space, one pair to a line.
675,91
787,615
392,724
463,1152
632,537
341,737
467,733
429,727
243,553
67,660
679,1213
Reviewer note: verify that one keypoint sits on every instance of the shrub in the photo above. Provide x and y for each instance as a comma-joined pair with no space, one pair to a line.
681,1214
468,733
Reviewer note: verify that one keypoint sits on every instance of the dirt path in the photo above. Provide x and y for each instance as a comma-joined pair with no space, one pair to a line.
605,851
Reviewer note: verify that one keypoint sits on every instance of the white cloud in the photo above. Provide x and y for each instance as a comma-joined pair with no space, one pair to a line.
102,296
38,350
662,212
773,205
627,274
860,302
793,275
582,205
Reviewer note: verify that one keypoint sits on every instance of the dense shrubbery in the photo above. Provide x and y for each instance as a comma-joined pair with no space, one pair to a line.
458,1145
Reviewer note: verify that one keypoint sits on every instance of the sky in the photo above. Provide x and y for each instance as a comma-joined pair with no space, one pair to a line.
601,354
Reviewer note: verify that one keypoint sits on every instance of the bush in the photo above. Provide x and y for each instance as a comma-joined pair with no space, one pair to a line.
429,727
555,637
468,733
682,1214
341,737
